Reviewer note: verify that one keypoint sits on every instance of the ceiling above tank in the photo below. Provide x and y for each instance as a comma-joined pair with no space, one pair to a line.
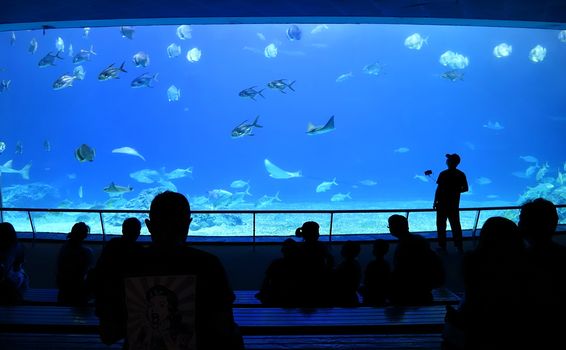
34,14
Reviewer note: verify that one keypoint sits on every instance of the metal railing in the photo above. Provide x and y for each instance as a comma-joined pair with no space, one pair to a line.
254,213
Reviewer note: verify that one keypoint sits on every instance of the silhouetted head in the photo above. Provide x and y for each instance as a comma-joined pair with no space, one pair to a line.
169,218
380,248
79,232
131,228
398,225
452,160
309,231
8,236
538,220
500,236
289,249
350,250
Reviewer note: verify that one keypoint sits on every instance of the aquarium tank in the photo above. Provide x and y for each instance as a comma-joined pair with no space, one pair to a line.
278,117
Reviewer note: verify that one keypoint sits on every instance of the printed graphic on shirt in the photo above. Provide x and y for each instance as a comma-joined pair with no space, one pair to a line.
161,312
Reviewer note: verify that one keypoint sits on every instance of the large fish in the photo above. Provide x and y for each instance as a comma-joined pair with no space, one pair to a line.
326,185
316,130
111,72
278,173
7,168
49,59
113,188
128,150
245,129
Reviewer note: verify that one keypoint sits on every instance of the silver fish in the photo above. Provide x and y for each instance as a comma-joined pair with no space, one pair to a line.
245,129
32,48
111,72
144,80
49,59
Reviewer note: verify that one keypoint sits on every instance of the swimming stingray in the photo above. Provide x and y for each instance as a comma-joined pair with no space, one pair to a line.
278,173
315,130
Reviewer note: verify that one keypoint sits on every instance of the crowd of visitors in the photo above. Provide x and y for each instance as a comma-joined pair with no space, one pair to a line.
171,295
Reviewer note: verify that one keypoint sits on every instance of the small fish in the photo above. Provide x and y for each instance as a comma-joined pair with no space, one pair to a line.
340,197
47,146
113,188
251,92
542,172
83,55
326,185
344,77
239,184
421,177
5,85
260,36
245,129
85,153
402,150
415,41
294,33
281,85
368,182
173,50
128,150
13,39
470,146
267,200
111,72
529,159
86,32
49,59
71,176
141,59
184,32
66,80
127,32
179,173
502,50
194,55
317,130
278,173
60,44
493,125
19,148
270,51
7,168
453,75
373,69
483,181
319,28
32,48
2,147
80,191
144,80
173,93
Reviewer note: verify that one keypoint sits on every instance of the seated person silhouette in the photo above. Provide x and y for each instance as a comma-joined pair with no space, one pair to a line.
538,221
114,258
280,285
495,280
377,276
73,265
175,296
13,279
416,268
347,276
315,270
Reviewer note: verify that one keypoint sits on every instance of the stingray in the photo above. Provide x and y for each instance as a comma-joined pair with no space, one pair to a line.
278,173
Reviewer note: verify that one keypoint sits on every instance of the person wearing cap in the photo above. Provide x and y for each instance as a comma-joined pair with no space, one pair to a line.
451,182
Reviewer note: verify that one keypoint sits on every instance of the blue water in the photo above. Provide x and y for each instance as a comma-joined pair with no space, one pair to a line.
408,105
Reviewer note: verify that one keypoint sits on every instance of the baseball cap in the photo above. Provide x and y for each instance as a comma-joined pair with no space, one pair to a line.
454,157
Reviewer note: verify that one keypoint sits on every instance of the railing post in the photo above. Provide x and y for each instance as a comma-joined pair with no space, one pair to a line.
476,225
253,229
32,226
102,226
331,224
407,214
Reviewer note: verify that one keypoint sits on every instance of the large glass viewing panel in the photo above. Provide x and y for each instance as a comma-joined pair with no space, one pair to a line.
279,116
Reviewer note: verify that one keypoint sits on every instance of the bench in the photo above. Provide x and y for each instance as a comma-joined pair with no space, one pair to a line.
17,341
244,298
252,321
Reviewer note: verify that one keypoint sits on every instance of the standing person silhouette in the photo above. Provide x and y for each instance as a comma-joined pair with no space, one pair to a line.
451,182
